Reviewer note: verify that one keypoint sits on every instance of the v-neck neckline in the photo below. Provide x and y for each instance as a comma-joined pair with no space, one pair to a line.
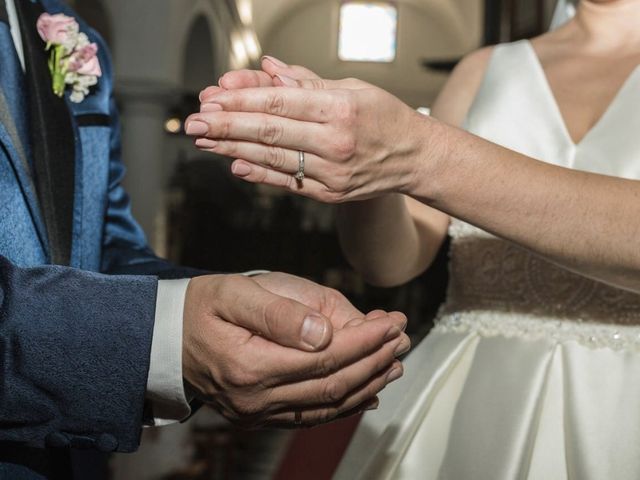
546,85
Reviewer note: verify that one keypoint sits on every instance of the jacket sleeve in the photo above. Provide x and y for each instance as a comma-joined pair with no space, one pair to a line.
74,354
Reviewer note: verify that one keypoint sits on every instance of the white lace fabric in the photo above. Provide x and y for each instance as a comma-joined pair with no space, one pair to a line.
497,288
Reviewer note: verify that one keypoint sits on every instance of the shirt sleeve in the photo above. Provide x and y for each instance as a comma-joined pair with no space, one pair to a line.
165,384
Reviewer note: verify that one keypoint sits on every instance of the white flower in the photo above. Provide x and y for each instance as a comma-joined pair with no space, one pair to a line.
70,42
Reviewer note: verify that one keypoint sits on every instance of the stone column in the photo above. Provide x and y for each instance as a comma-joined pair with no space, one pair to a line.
145,108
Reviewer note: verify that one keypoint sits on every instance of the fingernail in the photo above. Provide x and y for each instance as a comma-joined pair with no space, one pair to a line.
393,332
208,92
403,347
240,169
275,61
287,81
400,319
373,406
314,331
210,107
196,127
394,375
206,143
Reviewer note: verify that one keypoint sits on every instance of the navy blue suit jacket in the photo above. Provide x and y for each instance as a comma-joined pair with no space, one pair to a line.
75,339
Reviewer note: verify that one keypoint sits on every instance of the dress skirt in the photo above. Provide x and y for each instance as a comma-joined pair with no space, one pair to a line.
487,405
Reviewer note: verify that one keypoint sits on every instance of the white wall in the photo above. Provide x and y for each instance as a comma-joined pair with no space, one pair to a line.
306,33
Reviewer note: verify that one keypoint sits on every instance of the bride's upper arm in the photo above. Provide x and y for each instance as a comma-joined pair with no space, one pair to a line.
451,106
455,99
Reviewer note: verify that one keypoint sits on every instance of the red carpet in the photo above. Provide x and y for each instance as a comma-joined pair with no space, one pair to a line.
315,454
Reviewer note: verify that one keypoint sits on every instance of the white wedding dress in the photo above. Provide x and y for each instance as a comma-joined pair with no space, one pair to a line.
531,372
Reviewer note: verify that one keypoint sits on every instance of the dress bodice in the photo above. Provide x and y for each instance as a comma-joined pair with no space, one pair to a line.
502,288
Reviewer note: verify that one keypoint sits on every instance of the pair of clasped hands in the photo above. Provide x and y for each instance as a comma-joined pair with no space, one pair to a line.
315,357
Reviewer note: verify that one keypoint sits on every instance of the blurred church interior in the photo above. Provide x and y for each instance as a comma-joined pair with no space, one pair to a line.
165,52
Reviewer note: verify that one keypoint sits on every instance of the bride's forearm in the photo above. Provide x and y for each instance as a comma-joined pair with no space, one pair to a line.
585,222
382,240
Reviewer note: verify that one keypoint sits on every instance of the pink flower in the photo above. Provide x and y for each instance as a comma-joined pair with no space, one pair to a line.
85,61
56,29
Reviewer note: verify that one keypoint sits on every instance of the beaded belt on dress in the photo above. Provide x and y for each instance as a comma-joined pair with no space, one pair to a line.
499,288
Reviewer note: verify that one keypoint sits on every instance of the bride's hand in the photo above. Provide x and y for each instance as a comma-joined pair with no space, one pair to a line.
359,141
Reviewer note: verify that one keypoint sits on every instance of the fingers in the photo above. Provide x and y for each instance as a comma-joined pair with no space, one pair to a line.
241,79
356,383
295,103
280,367
274,66
354,403
210,91
279,319
276,158
252,173
257,128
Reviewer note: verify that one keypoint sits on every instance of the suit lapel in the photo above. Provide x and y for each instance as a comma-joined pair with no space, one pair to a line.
52,139
16,154
13,119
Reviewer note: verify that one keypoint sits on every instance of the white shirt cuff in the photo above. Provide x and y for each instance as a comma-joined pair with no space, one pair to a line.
165,384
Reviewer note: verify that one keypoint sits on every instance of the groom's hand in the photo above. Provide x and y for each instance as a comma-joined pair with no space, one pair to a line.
274,73
233,356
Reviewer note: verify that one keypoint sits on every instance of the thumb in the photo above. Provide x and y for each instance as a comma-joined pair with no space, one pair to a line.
282,320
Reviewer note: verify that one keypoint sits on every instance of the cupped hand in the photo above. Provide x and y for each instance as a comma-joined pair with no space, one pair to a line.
330,303
235,353
359,141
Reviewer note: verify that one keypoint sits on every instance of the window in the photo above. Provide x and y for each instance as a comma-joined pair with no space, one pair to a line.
368,32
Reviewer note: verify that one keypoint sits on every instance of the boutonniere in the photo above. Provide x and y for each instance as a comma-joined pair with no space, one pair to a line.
73,60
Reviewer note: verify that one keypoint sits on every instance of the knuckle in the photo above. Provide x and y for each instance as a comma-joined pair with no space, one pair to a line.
275,315
344,147
261,174
246,409
270,133
327,415
289,183
227,148
275,105
344,180
242,374
334,390
225,127
275,158
316,83
237,378
348,109
345,108
327,364
330,196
